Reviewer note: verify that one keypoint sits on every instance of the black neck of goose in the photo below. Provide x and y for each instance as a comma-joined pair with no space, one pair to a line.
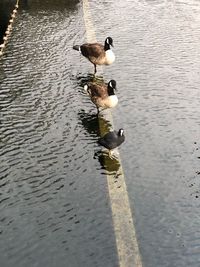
120,134
110,91
106,46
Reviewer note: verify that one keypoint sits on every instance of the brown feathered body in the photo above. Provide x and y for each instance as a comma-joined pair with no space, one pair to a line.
102,95
97,53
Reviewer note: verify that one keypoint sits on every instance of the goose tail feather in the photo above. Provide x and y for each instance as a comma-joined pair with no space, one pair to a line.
76,47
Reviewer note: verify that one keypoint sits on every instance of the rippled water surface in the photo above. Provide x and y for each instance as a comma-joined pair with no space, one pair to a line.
157,69
54,205
53,193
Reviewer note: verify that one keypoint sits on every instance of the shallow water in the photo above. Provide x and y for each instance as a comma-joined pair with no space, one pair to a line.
54,201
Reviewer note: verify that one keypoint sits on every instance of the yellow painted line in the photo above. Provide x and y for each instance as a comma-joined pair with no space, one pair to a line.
123,223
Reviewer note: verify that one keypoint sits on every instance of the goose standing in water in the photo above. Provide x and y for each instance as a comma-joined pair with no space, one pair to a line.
102,95
96,53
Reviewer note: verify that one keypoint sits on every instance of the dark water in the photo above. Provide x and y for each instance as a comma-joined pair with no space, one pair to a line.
53,194
54,207
157,70
6,8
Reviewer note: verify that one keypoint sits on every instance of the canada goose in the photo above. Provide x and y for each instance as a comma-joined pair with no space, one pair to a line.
112,139
102,95
96,53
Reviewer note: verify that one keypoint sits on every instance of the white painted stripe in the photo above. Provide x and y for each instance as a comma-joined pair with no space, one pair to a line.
125,234
91,36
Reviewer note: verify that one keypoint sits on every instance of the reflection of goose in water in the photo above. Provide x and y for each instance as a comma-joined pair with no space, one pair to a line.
85,79
110,165
96,53
91,123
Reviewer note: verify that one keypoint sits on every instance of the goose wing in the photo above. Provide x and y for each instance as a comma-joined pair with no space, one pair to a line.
92,50
98,90
109,140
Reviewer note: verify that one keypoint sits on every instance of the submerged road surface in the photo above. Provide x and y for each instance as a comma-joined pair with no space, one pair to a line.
55,203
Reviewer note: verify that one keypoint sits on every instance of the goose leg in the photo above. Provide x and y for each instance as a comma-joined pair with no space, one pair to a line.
95,69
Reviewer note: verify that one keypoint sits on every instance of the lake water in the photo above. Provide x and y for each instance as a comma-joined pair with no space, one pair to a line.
55,207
